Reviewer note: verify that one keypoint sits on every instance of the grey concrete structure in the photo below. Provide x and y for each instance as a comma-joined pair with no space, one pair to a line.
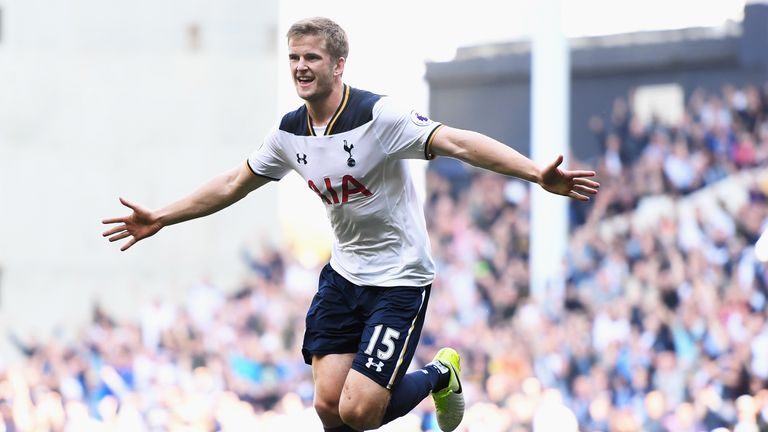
147,100
487,87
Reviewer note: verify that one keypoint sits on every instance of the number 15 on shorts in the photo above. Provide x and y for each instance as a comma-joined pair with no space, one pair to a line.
388,340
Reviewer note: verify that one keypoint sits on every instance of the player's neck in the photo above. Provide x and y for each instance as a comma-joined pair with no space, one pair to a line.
321,111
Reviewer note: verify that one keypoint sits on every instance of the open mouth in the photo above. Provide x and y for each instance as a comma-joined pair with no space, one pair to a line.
304,80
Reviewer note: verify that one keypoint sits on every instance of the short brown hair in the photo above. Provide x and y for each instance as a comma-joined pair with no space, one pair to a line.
335,38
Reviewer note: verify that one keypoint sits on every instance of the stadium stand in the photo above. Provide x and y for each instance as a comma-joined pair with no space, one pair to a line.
659,325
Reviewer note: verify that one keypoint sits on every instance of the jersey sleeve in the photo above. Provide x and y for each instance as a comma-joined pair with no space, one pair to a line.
268,160
403,133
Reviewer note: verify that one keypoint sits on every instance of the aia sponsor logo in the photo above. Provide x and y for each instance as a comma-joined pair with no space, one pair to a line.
349,186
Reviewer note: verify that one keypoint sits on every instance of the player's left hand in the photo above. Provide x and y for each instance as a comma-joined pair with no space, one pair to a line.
570,183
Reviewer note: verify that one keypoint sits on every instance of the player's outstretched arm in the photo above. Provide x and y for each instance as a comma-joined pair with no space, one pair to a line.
485,152
218,193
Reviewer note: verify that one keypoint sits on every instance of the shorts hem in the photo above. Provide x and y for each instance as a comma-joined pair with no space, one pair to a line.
371,375
307,354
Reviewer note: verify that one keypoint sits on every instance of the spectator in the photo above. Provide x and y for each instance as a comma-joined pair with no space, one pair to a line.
661,324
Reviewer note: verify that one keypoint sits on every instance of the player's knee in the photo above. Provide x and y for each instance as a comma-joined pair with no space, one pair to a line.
360,416
327,410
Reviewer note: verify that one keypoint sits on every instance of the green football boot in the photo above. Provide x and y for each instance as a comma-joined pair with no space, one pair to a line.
449,402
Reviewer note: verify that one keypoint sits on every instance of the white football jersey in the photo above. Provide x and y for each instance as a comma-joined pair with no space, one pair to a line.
358,170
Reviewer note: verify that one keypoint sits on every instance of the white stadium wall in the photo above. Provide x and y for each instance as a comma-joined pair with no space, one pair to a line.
146,100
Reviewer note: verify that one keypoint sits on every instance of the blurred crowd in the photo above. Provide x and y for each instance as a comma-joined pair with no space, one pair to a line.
656,320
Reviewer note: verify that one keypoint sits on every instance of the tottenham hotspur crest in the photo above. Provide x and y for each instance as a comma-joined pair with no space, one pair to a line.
348,149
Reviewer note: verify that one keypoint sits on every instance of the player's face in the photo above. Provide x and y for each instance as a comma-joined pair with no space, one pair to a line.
313,69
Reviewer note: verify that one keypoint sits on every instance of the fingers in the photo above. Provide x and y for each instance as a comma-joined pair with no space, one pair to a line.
577,196
129,244
128,204
113,220
120,236
585,189
114,230
586,182
556,163
580,173
121,219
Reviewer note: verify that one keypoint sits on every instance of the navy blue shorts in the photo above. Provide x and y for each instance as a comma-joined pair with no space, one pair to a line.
381,324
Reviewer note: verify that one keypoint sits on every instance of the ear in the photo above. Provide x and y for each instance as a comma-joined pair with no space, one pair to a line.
338,68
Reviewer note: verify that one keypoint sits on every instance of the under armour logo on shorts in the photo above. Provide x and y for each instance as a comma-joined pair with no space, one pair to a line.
378,365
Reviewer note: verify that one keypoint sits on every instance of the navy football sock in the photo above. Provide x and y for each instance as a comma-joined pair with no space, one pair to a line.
342,428
412,389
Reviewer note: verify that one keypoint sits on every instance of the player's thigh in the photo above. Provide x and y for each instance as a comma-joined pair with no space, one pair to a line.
363,398
330,373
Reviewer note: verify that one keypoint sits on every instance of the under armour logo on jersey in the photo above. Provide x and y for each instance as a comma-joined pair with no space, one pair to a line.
378,365
348,149
301,159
